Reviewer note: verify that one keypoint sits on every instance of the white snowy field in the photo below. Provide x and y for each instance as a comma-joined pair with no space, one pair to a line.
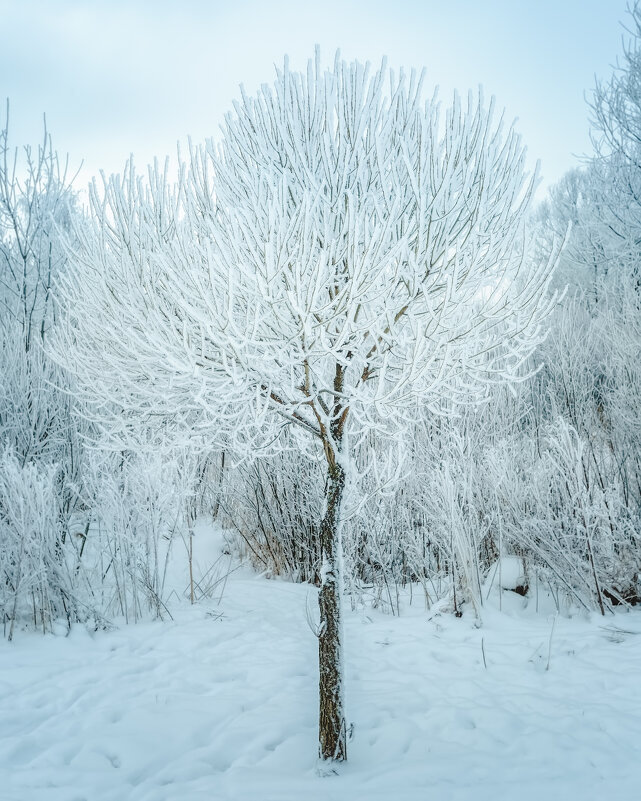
220,703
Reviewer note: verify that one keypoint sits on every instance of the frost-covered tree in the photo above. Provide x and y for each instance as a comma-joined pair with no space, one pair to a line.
347,255
35,199
616,102
36,202
616,134
576,210
40,451
81,532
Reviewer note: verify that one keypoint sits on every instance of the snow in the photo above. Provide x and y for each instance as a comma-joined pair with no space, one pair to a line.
509,572
220,703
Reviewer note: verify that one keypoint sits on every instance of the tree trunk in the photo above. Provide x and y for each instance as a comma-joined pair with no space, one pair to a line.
331,730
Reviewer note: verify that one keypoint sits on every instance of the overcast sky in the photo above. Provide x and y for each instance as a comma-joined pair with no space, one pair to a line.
133,76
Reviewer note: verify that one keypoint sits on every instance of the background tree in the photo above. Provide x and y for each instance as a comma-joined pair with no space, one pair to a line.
346,256
616,135
82,533
40,451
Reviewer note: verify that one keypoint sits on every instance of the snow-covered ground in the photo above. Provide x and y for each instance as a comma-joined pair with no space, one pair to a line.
220,703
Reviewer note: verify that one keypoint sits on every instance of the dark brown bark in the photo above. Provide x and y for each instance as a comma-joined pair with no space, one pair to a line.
332,729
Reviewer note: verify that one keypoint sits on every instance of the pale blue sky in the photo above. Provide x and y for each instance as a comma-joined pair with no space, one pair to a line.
136,76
